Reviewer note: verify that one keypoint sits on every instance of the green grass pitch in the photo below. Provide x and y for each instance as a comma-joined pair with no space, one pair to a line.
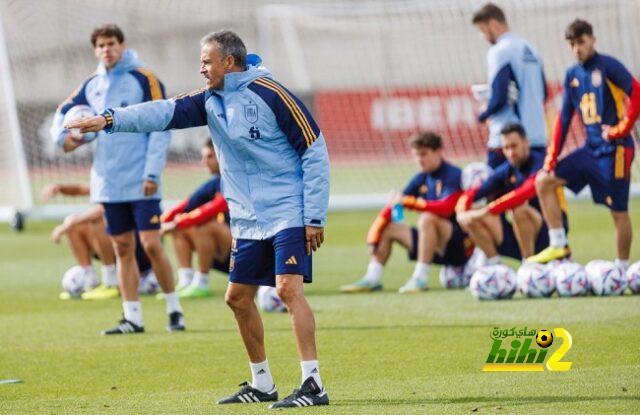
380,353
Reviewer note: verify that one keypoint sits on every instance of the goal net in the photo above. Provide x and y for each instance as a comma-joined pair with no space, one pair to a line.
372,73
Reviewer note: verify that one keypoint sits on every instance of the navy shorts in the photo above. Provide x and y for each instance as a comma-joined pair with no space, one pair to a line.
141,215
509,246
456,253
495,157
257,262
608,176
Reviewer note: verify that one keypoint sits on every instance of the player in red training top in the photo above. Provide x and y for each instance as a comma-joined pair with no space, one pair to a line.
437,238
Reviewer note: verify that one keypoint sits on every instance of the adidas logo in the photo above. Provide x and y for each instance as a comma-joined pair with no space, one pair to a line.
291,261
261,372
315,370
154,219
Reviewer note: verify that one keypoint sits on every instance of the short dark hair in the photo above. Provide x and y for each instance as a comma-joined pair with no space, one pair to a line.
107,30
577,28
230,44
514,127
426,139
489,12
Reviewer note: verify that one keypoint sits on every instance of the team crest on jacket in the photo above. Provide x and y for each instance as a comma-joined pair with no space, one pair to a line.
596,78
251,113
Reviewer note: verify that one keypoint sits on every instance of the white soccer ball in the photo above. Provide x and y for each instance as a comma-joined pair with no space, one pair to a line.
571,279
493,282
148,283
606,278
453,277
76,112
73,281
633,278
268,299
474,174
534,280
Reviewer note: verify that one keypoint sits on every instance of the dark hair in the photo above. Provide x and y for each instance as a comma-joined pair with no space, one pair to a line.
230,44
489,12
426,139
514,128
107,30
208,143
577,28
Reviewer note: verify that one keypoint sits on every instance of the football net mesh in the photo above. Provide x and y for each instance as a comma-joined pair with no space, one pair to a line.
371,72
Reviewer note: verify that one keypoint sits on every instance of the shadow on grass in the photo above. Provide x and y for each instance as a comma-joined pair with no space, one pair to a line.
510,401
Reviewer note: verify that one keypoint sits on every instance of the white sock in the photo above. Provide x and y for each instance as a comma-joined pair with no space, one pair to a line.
374,272
494,260
557,238
200,280
622,263
110,275
311,368
261,376
421,271
185,275
90,280
173,303
133,312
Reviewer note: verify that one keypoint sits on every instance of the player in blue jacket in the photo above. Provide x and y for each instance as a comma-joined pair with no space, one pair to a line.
275,178
596,87
125,175
513,63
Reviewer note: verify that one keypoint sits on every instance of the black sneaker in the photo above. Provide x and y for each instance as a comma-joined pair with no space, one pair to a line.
176,322
124,327
309,394
249,394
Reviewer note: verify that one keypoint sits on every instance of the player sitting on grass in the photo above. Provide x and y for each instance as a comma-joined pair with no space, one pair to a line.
596,87
514,182
201,224
437,238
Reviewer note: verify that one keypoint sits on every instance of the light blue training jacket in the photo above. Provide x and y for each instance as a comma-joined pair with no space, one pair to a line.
273,158
121,162
513,59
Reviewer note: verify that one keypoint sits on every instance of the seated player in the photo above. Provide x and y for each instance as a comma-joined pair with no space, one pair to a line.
201,224
513,182
88,238
596,86
437,238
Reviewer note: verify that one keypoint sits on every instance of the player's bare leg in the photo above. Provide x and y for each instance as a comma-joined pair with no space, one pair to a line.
184,245
547,187
102,246
379,255
624,236
152,246
434,233
487,233
239,298
526,225
79,237
124,245
290,290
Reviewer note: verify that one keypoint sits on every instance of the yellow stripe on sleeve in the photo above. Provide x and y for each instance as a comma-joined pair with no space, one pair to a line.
154,84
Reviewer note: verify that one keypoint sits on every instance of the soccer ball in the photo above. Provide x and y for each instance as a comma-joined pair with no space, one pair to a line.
633,278
148,283
606,278
570,278
534,280
268,300
75,281
493,282
544,338
77,112
474,174
453,277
